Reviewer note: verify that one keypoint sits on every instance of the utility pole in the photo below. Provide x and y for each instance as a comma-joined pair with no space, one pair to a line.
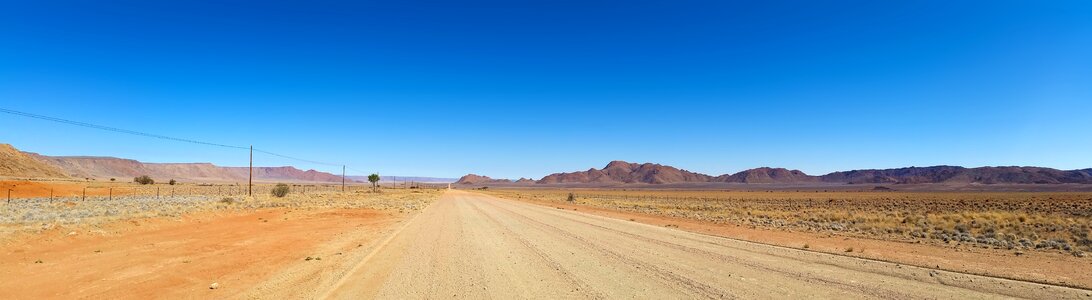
342,178
250,184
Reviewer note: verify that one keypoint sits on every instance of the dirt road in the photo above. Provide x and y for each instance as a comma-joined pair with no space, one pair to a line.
469,245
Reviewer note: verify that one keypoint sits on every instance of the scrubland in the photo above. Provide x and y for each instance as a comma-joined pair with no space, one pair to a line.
128,202
1019,221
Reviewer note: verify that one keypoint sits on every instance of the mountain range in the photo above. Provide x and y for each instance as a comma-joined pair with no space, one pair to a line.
15,163
620,172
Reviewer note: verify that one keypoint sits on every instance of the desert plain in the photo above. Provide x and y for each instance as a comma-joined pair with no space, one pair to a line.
204,241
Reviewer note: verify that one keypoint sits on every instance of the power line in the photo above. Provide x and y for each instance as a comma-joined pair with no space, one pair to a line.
145,134
361,172
299,159
107,128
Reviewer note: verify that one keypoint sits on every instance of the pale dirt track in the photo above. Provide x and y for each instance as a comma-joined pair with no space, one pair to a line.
469,245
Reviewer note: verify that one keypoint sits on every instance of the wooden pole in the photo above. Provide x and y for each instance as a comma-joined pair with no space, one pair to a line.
342,178
111,194
250,183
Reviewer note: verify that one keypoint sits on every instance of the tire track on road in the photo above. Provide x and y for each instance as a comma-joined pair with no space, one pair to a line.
691,286
582,286
864,290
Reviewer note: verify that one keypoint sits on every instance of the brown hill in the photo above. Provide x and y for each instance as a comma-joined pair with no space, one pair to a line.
624,172
110,167
934,174
14,163
286,174
767,175
953,174
478,179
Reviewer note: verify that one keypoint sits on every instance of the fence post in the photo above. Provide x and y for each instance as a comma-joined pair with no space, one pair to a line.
84,197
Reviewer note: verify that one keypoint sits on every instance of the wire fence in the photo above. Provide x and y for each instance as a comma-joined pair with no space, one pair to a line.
96,191
234,189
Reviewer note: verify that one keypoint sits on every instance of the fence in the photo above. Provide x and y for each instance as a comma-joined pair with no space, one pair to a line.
100,191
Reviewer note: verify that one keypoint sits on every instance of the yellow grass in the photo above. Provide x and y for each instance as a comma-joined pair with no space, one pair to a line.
1049,221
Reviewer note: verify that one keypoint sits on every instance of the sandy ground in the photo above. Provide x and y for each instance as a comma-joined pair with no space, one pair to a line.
254,254
1044,267
465,245
470,245
24,189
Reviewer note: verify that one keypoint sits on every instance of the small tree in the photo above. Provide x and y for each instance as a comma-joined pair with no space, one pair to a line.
143,179
113,179
172,182
374,179
280,190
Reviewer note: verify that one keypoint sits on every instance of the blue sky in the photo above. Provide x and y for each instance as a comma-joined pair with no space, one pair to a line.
526,88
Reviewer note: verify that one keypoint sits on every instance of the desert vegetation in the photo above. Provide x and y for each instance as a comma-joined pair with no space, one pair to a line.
143,179
1020,221
45,213
374,179
280,190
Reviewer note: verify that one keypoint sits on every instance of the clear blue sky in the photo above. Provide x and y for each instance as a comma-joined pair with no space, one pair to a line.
527,88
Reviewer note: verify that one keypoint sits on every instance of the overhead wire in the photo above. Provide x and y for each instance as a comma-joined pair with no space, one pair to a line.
158,136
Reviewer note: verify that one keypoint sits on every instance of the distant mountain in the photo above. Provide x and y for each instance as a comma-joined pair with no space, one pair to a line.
767,175
525,180
362,178
14,163
32,165
418,179
619,172
953,174
624,172
17,164
934,174
478,179
287,174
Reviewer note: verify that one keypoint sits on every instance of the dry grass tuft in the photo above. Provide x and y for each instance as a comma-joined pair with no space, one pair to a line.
1045,221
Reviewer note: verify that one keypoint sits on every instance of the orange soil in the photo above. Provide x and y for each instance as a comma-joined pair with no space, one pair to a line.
1052,268
27,189
165,258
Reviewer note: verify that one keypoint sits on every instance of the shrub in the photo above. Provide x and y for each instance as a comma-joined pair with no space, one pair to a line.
172,182
374,179
280,190
572,198
143,179
113,179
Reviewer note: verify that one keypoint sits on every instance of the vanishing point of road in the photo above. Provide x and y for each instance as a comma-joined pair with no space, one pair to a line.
474,246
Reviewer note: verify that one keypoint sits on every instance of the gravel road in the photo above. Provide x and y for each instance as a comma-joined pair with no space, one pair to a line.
469,245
